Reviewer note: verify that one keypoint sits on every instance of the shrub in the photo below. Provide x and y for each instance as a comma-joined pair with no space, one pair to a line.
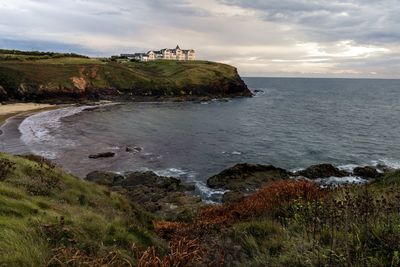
6,167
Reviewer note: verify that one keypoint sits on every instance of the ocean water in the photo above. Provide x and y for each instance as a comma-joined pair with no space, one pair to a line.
290,123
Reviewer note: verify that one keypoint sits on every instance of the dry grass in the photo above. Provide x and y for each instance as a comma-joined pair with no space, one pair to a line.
67,256
184,252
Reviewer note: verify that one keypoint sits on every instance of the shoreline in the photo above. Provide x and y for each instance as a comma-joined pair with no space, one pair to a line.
11,110
14,108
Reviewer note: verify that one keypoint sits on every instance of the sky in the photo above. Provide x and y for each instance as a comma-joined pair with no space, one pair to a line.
288,38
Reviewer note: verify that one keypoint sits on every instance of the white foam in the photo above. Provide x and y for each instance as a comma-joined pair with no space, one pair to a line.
395,164
337,181
208,195
176,172
259,93
36,130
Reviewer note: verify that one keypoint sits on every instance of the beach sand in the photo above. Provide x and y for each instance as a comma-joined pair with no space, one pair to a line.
10,110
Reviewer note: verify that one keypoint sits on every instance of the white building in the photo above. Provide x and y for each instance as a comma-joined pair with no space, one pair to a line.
168,54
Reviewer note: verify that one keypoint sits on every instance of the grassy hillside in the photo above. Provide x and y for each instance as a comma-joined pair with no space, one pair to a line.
48,216
48,76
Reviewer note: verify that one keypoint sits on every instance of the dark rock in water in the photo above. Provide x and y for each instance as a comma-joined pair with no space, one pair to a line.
322,171
366,172
104,178
135,149
246,177
161,195
232,197
102,155
151,179
258,91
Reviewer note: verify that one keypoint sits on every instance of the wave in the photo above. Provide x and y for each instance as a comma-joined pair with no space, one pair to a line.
338,181
37,131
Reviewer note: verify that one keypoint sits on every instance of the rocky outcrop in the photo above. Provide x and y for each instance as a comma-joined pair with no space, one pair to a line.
366,172
246,177
322,171
163,196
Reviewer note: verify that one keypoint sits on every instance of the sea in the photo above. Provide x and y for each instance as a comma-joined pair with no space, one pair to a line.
291,123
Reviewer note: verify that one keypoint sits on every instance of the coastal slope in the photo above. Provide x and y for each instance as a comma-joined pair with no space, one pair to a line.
45,77
50,218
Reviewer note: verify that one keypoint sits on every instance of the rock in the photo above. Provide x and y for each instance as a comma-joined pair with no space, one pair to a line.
160,195
232,197
151,179
135,149
102,155
366,172
105,178
246,177
322,171
258,91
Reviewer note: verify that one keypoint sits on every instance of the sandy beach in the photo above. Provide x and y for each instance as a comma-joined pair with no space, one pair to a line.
9,110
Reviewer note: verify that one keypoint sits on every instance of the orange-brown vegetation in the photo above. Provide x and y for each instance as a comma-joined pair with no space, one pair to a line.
272,199
183,253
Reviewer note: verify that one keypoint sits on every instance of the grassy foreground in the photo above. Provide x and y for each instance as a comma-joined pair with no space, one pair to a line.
48,76
50,218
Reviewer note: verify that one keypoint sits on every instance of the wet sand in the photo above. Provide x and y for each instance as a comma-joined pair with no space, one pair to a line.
11,116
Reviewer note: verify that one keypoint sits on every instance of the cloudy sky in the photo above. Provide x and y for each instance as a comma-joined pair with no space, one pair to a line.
310,38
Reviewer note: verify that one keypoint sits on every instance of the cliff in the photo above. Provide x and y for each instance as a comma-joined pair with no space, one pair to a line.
71,77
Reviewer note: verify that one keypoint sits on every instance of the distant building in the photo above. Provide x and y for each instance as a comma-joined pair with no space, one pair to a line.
169,54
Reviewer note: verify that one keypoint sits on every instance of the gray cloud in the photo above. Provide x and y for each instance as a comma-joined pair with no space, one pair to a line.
262,37
326,20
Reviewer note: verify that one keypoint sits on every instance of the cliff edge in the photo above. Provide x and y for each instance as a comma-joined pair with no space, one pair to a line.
72,77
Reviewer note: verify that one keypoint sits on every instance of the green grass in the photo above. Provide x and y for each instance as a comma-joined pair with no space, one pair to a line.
47,214
43,208
45,76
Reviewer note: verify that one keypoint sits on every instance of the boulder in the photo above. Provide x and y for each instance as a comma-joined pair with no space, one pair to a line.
102,155
246,177
151,179
105,178
322,171
366,172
